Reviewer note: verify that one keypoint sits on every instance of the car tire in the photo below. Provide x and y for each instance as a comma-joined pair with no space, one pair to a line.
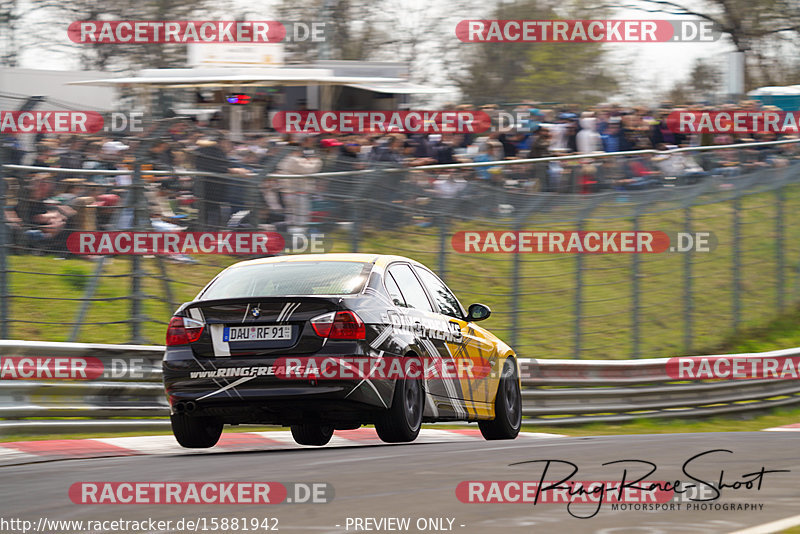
401,423
196,432
507,406
312,434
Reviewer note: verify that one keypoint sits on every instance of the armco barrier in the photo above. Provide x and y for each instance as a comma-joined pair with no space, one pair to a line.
128,396
555,392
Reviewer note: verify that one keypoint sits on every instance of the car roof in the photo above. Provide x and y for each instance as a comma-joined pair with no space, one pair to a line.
377,259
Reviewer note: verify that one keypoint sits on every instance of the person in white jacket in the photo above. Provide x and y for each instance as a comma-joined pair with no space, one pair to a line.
297,191
588,140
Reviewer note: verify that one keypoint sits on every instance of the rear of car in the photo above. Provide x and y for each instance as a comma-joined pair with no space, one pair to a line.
222,348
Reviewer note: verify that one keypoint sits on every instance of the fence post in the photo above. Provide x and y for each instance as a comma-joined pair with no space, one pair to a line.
687,286
362,188
516,265
136,260
635,296
168,299
578,296
779,244
86,302
737,262
515,297
253,189
355,230
200,189
443,248
4,240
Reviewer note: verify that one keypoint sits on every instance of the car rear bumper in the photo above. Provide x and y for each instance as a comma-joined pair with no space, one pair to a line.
246,390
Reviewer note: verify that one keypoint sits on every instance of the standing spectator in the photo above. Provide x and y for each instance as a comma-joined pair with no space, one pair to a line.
540,147
387,152
124,217
571,137
344,189
422,149
660,134
444,150
349,156
588,140
71,157
160,156
296,191
11,149
560,133
490,151
45,221
181,164
509,147
614,139
213,190
386,188
331,149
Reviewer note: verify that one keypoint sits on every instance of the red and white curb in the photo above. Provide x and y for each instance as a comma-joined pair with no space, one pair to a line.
22,452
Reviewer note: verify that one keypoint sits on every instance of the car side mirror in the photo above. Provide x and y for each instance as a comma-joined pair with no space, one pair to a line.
478,312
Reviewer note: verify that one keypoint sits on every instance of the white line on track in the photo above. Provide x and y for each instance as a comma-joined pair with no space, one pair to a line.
471,450
773,526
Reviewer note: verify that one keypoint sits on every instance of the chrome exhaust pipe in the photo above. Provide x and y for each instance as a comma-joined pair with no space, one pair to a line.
179,407
190,406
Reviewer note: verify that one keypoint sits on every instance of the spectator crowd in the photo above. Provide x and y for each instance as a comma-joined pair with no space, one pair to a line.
208,181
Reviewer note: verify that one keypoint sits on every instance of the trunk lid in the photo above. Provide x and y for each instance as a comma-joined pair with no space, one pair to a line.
255,326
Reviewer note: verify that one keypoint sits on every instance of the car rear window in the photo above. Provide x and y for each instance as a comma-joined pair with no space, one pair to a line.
289,278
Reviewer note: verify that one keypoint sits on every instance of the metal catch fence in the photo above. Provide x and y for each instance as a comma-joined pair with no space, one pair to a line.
590,306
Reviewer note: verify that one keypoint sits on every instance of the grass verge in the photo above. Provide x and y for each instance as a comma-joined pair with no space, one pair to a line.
704,298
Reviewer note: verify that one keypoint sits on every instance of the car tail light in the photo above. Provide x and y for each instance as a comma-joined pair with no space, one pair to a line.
347,325
339,325
322,324
182,331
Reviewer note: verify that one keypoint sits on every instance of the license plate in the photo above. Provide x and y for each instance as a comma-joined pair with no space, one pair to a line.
257,333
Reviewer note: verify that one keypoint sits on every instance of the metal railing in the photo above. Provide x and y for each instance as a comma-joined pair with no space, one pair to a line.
590,306
555,392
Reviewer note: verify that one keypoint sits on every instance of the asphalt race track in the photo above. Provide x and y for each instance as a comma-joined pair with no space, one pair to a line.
418,481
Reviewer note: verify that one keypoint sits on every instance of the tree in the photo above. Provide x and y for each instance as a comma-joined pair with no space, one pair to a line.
705,79
10,18
678,94
753,26
420,34
349,29
59,14
564,72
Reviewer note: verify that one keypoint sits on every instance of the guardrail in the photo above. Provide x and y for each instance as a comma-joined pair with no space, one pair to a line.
435,167
128,396
566,392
